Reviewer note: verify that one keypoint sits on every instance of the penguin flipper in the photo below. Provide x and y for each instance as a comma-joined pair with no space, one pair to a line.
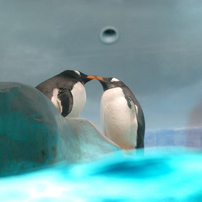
133,107
66,99
140,126
134,120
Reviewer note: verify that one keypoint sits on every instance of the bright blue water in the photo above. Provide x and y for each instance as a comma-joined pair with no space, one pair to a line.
159,175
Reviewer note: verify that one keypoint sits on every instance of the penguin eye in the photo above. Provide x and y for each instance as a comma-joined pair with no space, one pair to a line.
61,90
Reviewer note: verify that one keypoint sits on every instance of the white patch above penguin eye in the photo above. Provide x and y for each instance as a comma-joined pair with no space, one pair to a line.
114,80
78,72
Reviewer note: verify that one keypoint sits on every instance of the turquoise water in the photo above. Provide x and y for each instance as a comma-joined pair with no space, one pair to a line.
171,174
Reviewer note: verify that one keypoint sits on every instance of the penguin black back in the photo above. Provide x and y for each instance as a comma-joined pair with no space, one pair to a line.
140,118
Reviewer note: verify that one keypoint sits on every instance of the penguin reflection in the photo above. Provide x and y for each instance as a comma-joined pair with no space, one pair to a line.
67,92
122,117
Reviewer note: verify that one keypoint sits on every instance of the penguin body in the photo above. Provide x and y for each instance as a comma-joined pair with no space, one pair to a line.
67,92
122,117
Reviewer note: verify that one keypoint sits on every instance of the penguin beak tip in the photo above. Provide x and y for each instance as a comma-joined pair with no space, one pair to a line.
99,78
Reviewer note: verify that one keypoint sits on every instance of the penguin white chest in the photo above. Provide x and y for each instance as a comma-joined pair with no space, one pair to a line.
119,121
79,99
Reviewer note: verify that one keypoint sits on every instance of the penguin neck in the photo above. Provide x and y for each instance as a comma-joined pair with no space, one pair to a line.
79,99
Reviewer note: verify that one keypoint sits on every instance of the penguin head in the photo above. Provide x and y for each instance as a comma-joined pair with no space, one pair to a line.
109,82
83,78
76,76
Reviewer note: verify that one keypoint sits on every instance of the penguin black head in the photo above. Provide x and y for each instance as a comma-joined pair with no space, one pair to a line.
109,82
66,91
83,78
75,75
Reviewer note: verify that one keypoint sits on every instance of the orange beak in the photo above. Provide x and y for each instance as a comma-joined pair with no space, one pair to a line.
91,77
99,78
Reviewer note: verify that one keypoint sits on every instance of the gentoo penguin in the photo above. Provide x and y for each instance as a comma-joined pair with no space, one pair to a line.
67,92
122,117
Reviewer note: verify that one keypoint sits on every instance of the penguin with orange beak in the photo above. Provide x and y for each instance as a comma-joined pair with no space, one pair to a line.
67,92
122,117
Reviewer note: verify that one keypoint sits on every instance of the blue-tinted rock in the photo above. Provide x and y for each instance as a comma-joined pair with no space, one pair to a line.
34,135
